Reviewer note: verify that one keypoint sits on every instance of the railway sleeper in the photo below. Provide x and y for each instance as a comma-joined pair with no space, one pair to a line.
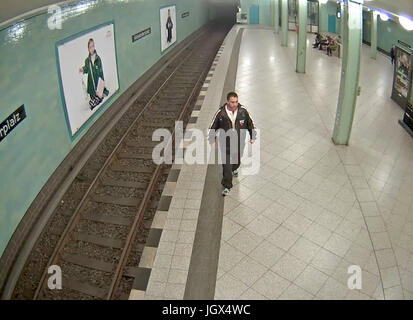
122,183
100,241
88,262
98,217
85,288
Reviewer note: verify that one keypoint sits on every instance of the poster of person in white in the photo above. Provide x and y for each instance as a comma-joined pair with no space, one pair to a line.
88,73
168,26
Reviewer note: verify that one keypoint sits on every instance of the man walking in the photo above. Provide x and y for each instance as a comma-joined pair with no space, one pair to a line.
230,125
392,54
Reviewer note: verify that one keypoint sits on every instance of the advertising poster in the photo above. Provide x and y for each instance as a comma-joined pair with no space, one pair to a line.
88,73
403,69
168,26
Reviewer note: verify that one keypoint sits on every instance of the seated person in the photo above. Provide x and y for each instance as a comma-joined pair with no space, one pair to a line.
332,46
338,39
317,40
324,42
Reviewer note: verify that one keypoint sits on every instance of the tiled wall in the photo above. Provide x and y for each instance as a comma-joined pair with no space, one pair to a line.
387,32
28,75
265,8
324,11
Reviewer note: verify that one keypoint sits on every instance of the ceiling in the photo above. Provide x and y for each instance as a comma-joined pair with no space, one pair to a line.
12,8
399,7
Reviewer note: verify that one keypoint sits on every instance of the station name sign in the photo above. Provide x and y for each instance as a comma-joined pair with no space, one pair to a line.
11,122
185,14
141,34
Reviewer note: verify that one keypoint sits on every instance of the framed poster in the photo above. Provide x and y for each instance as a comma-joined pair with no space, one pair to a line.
402,76
402,72
168,26
88,73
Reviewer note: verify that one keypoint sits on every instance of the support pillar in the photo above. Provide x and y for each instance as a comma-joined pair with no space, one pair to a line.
284,22
373,52
322,18
342,9
276,15
302,36
352,20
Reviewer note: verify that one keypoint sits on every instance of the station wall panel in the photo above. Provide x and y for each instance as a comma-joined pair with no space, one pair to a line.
264,10
388,32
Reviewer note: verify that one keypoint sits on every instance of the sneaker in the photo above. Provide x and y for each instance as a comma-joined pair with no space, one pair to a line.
225,192
235,173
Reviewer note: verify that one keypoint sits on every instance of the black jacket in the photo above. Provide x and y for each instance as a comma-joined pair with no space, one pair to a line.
222,121
392,53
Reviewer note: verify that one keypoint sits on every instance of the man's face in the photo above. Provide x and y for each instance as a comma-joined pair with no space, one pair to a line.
233,102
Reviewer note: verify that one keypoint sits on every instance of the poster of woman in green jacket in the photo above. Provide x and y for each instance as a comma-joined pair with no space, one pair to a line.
88,74
95,79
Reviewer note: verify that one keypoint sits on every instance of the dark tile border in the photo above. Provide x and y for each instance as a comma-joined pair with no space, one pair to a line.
173,175
164,203
193,120
141,279
154,237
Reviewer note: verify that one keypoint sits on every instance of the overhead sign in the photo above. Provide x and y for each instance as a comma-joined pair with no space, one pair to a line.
141,34
11,122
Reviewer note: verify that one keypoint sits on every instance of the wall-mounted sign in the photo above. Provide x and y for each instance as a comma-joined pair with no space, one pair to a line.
12,121
404,44
185,14
141,34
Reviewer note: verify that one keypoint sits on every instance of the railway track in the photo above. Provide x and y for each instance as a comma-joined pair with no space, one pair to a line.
98,240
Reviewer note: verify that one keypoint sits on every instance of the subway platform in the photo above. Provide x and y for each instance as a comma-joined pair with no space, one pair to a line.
315,209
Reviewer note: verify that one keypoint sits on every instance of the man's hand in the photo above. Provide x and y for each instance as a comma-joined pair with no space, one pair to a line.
252,141
213,145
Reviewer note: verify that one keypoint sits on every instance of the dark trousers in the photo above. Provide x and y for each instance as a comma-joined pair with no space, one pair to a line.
232,163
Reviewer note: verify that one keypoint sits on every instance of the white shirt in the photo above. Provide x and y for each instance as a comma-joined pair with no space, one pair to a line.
232,115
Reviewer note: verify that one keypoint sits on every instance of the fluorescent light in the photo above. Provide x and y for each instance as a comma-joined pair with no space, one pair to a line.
384,16
406,23
323,1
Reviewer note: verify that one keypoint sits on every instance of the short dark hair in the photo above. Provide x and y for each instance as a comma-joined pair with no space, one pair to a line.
232,95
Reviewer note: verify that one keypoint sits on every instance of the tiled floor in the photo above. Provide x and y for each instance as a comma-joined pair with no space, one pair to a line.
314,209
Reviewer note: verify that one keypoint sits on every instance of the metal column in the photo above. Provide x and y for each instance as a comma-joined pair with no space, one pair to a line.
284,22
352,36
276,15
373,52
302,36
